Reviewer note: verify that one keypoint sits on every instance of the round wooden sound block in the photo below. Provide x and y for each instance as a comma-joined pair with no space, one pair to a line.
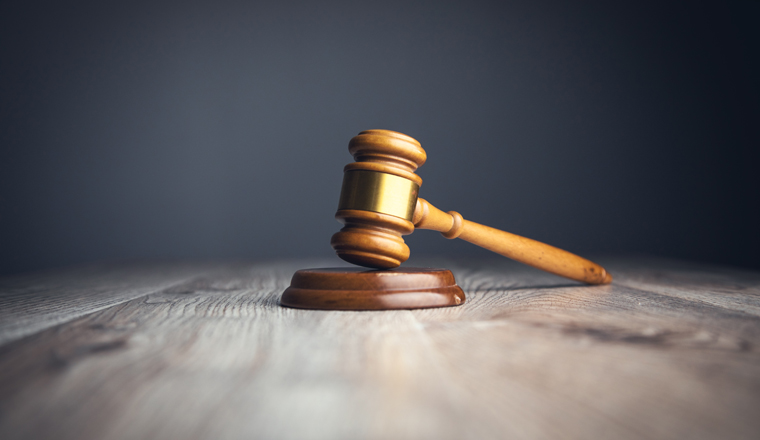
361,289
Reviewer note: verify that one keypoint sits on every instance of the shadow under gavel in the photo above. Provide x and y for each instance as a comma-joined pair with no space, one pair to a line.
379,203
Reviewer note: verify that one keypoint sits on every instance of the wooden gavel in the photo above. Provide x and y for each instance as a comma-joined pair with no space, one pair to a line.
379,203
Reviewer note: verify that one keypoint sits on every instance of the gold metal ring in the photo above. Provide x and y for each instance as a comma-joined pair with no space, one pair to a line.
378,192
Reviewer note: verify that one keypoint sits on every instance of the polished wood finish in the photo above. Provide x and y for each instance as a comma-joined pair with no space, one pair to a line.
361,289
527,251
671,350
374,239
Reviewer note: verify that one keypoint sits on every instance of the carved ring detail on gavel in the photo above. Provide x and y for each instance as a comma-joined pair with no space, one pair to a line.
379,203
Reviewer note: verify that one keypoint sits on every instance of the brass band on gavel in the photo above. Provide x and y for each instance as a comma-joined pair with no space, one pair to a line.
378,192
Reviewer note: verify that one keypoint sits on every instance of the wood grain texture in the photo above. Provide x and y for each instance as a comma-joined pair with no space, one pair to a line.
34,302
669,350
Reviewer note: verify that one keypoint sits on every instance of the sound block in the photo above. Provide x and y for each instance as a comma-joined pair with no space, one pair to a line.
361,289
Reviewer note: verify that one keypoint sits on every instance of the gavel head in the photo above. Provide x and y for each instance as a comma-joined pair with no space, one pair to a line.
378,199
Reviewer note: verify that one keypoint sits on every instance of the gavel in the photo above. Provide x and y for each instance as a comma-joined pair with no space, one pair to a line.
379,203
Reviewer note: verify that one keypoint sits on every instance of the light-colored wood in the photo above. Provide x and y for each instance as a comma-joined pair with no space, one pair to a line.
670,351
525,250
28,305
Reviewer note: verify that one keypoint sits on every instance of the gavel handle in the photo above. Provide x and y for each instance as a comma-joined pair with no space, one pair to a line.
527,251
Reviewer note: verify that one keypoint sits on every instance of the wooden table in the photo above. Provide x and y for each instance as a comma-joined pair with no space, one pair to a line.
204,351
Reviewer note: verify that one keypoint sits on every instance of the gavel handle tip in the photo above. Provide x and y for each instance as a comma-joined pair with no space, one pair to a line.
607,278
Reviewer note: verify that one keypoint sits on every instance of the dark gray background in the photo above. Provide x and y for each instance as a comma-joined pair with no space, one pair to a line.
220,129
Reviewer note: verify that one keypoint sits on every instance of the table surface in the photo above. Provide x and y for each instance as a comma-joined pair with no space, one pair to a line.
131,351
